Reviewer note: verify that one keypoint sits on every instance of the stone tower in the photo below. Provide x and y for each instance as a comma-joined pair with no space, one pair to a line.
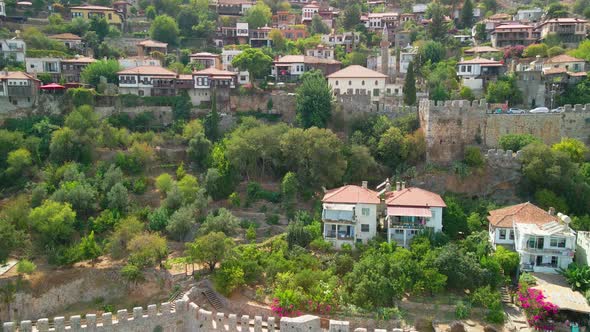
385,51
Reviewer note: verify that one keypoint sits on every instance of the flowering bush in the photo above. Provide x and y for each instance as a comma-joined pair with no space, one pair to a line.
537,310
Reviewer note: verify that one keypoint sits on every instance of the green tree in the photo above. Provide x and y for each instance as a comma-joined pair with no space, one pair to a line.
53,222
583,51
289,190
391,148
223,221
255,61
18,161
516,142
164,29
81,196
258,15
410,86
298,234
557,10
209,249
100,26
125,230
508,260
535,49
352,16
158,219
318,26
574,148
108,69
454,219
164,183
25,266
88,247
555,51
131,273
147,249
437,28
473,156
278,40
432,51
11,239
314,100
504,90
118,198
199,148
211,123
467,14
187,18
546,199
181,222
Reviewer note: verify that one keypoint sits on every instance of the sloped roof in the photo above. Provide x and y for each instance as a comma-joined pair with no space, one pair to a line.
16,75
304,59
481,49
205,55
90,7
214,72
563,58
481,61
414,197
82,59
356,71
147,70
152,43
554,71
513,26
351,194
524,213
66,36
565,20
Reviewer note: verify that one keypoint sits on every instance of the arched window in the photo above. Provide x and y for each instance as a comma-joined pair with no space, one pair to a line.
363,83
349,82
336,82
376,82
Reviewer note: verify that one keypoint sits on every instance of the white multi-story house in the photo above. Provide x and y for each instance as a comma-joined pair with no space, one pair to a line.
209,81
475,73
543,240
13,48
406,55
411,211
227,56
2,9
138,61
321,51
47,65
571,31
358,80
308,11
350,215
146,81
583,248
567,62
290,67
348,39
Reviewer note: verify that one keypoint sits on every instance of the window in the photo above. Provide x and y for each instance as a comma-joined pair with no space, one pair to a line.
336,83
502,234
399,231
363,83
557,242
349,82
366,211
511,234
365,228
376,92
140,92
554,260
376,82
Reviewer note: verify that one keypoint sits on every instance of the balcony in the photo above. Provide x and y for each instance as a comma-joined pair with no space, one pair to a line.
339,235
163,83
20,91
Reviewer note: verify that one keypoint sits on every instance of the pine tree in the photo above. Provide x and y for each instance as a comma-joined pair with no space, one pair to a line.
467,14
410,86
212,121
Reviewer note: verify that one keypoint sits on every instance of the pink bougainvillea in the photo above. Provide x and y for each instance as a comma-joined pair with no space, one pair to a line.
538,311
291,310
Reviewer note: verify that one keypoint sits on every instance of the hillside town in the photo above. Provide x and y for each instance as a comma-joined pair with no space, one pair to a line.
294,165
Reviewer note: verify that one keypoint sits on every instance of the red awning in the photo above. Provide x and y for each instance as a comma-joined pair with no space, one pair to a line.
52,86
404,211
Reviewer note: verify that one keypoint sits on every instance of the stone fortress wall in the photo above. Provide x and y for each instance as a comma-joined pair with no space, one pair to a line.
450,126
180,316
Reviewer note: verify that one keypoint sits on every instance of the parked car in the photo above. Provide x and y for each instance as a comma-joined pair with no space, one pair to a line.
557,110
497,111
539,110
516,111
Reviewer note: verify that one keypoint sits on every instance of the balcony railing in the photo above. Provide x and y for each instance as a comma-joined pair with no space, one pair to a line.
338,235
20,91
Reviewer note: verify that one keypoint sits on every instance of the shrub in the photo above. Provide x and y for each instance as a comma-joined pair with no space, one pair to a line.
321,245
234,199
82,96
473,156
539,312
462,310
25,266
272,219
229,278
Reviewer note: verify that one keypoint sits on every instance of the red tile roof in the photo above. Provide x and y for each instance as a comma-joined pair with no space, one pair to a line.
481,61
414,197
212,71
89,7
554,71
524,213
152,43
351,194
82,59
66,36
356,71
564,20
513,26
16,75
562,58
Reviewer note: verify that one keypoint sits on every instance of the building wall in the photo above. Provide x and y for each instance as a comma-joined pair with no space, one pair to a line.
343,85
495,236
370,220
582,247
451,126
436,220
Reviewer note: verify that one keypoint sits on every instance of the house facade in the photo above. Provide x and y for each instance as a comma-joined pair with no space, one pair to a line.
88,12
349,215
19,88
206,59
210,81
411,211
146,47
348,39
138,61
571,31
147,81
321,51
227,57
567,62
529,15
475,73
514,34
358,80
72,68
13,48
47,65
289,68
582,248
69,40
543,240
308,11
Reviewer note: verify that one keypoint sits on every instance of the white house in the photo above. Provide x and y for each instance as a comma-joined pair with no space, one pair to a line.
145,80
209,81
138,61
583,248
321,51
476,72
308,11
227,57
13,48
2,8
350,215
358,80
543,240
528,15
411,211
567,62
406,55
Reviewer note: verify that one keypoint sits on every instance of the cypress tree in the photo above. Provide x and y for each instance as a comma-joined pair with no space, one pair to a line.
467,14
410,86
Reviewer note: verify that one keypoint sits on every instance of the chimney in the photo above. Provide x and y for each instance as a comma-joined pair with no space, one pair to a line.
397,186
365,185
403,185
387,186
551,211
324,189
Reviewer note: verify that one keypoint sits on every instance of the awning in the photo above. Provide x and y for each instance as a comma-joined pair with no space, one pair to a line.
408,211
52,86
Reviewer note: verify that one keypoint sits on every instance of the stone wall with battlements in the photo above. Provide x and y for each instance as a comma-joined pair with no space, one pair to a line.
450,126
180,316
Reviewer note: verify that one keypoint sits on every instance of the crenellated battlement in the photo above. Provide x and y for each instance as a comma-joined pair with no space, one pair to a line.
504,159
180,316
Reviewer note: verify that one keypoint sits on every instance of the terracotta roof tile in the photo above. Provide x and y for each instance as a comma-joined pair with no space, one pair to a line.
214,72
16,75
563,58
355,71
524,213
148,70
554,71
152,43
414,197
89,7
66,36
351,194
481,61
481,49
